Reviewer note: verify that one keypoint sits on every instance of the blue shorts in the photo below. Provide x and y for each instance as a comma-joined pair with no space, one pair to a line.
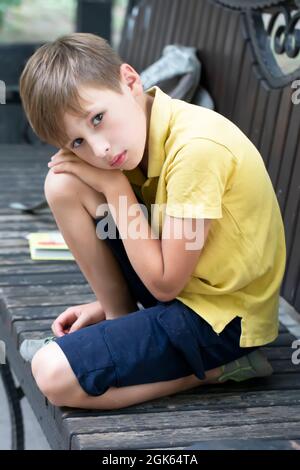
164,341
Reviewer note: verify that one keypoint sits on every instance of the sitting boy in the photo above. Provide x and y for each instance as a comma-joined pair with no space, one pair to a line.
206,265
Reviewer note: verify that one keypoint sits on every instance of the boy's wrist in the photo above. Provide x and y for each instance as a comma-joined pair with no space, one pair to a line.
119,186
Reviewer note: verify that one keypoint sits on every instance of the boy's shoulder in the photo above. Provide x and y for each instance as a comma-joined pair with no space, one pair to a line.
175,124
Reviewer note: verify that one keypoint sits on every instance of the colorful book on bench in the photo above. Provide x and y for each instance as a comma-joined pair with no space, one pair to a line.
48,246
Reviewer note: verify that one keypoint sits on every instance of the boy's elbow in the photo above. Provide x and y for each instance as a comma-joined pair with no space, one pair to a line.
164,293
165,297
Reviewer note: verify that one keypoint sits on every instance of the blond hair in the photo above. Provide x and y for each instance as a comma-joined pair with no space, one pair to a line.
50,80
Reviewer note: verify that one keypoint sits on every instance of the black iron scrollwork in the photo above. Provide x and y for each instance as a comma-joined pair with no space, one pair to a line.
275,36
274,30
286,36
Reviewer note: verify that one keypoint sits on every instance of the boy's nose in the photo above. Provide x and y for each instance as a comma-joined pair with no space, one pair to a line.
100,149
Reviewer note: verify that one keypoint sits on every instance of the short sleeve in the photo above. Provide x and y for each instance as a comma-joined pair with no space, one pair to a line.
197,179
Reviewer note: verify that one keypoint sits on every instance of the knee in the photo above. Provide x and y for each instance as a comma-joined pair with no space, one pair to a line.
59,187
49,371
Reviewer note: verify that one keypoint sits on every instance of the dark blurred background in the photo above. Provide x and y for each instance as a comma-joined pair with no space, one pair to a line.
25,25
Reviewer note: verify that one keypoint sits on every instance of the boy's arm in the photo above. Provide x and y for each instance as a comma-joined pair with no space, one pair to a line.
165,265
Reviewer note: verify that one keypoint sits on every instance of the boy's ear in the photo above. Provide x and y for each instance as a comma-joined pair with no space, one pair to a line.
131,79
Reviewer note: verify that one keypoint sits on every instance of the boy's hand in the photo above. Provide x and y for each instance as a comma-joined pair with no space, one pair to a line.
77,317
65,161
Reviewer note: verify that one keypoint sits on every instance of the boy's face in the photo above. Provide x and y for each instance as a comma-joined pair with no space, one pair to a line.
114,134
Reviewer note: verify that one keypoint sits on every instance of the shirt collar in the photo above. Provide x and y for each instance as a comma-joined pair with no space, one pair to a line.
158,130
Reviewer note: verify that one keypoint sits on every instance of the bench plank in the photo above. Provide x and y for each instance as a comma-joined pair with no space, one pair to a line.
193,421
181,438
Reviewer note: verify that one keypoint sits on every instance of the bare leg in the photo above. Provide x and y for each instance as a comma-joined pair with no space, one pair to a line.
74,205
58,382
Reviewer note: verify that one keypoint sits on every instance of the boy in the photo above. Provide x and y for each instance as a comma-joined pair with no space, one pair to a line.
206,266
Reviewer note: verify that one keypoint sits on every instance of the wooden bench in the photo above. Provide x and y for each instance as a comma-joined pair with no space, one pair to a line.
248,88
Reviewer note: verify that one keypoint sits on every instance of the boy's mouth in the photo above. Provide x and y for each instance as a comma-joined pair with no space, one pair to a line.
118,159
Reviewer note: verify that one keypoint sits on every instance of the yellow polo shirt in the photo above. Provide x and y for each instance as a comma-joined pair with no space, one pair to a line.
200,160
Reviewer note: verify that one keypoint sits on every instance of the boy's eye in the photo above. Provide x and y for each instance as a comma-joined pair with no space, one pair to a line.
76,143
98,117
95,120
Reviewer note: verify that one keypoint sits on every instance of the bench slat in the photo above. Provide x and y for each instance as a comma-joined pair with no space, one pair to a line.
180,438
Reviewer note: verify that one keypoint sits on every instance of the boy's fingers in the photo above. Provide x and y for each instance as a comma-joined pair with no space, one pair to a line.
79,323
58,161
58,329
57,154
62,322
63,151
66,167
